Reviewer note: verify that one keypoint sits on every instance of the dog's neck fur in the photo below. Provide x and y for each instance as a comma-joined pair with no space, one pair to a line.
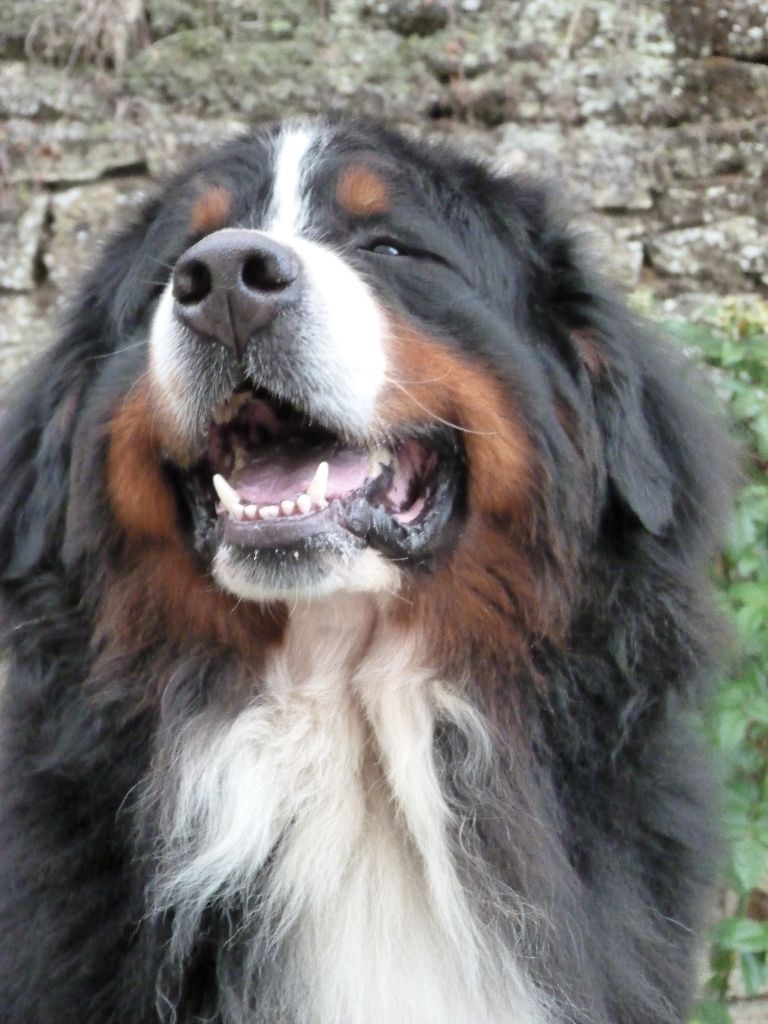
320,808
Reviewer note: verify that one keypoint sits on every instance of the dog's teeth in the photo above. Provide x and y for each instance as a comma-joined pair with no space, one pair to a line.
228,496
377,460
251,511
269,512
287,507
240,459
304,503
227,410
317,488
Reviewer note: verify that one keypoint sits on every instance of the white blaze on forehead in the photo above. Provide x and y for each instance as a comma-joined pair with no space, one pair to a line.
287,213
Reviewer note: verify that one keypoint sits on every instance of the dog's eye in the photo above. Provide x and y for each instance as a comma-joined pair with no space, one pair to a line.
386,247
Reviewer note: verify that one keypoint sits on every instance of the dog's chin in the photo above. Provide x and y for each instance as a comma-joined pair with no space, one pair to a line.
304,571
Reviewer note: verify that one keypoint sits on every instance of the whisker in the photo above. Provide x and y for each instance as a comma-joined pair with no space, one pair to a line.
162,263
124,348
440,419
429,380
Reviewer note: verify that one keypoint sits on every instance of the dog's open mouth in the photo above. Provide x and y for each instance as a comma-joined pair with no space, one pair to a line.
270,478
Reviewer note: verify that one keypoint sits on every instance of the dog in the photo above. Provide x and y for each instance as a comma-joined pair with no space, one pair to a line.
353,548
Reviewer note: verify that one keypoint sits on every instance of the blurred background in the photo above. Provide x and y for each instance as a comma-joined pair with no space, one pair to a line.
652,115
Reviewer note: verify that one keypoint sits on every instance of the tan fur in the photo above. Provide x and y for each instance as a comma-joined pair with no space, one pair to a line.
210,210
362,191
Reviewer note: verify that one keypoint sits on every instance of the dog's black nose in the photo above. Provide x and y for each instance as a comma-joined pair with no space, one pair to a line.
233,283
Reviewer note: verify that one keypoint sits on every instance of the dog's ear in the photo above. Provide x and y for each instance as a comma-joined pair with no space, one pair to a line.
35,449
670,468
664,454
633,409
42,407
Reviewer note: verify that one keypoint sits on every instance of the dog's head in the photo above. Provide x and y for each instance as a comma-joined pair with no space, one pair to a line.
328,358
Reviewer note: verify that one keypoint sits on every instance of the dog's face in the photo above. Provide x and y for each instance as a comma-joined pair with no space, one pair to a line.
281,363
331,377
327,358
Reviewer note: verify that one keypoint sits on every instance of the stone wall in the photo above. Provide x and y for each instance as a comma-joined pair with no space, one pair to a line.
654,113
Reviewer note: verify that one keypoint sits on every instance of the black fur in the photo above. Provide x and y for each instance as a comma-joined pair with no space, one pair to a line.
597,812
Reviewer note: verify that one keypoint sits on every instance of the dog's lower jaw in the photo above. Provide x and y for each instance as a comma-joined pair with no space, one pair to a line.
290,576
319,806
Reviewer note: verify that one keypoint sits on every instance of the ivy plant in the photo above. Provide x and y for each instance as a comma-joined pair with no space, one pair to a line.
732,341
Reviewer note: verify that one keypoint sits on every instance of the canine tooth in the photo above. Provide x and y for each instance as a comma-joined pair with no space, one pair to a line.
240,459
269,512
251,511
287,507
228,496
304,503
317,488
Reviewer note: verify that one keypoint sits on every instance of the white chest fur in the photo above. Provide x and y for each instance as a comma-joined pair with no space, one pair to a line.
330,773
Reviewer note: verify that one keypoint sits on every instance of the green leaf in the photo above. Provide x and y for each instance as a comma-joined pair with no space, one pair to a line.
754,972
749,860
710,1013
731,727
741,935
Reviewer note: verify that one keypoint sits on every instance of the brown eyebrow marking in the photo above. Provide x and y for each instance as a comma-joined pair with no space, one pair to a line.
362,192
210,210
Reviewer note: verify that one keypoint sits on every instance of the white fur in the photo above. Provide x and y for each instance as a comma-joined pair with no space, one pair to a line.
288,212
359,571
333,762
169,365
343,341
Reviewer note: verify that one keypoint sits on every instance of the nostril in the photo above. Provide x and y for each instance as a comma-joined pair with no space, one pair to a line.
262,272
191,282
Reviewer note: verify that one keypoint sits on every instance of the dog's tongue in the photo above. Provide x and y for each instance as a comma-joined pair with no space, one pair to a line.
284,475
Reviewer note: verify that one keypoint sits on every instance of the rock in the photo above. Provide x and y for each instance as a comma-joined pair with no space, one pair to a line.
694,307
68,33
740,29
83,217
732,28
200,72
25,330
604,29
709,202
749,1011
178,138
692,152
16,21
34,90
730,254
617,255
21,237
721,89
409,17
70,151
169,16
602,168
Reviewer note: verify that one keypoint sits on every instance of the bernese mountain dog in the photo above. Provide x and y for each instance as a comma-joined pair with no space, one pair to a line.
353,548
